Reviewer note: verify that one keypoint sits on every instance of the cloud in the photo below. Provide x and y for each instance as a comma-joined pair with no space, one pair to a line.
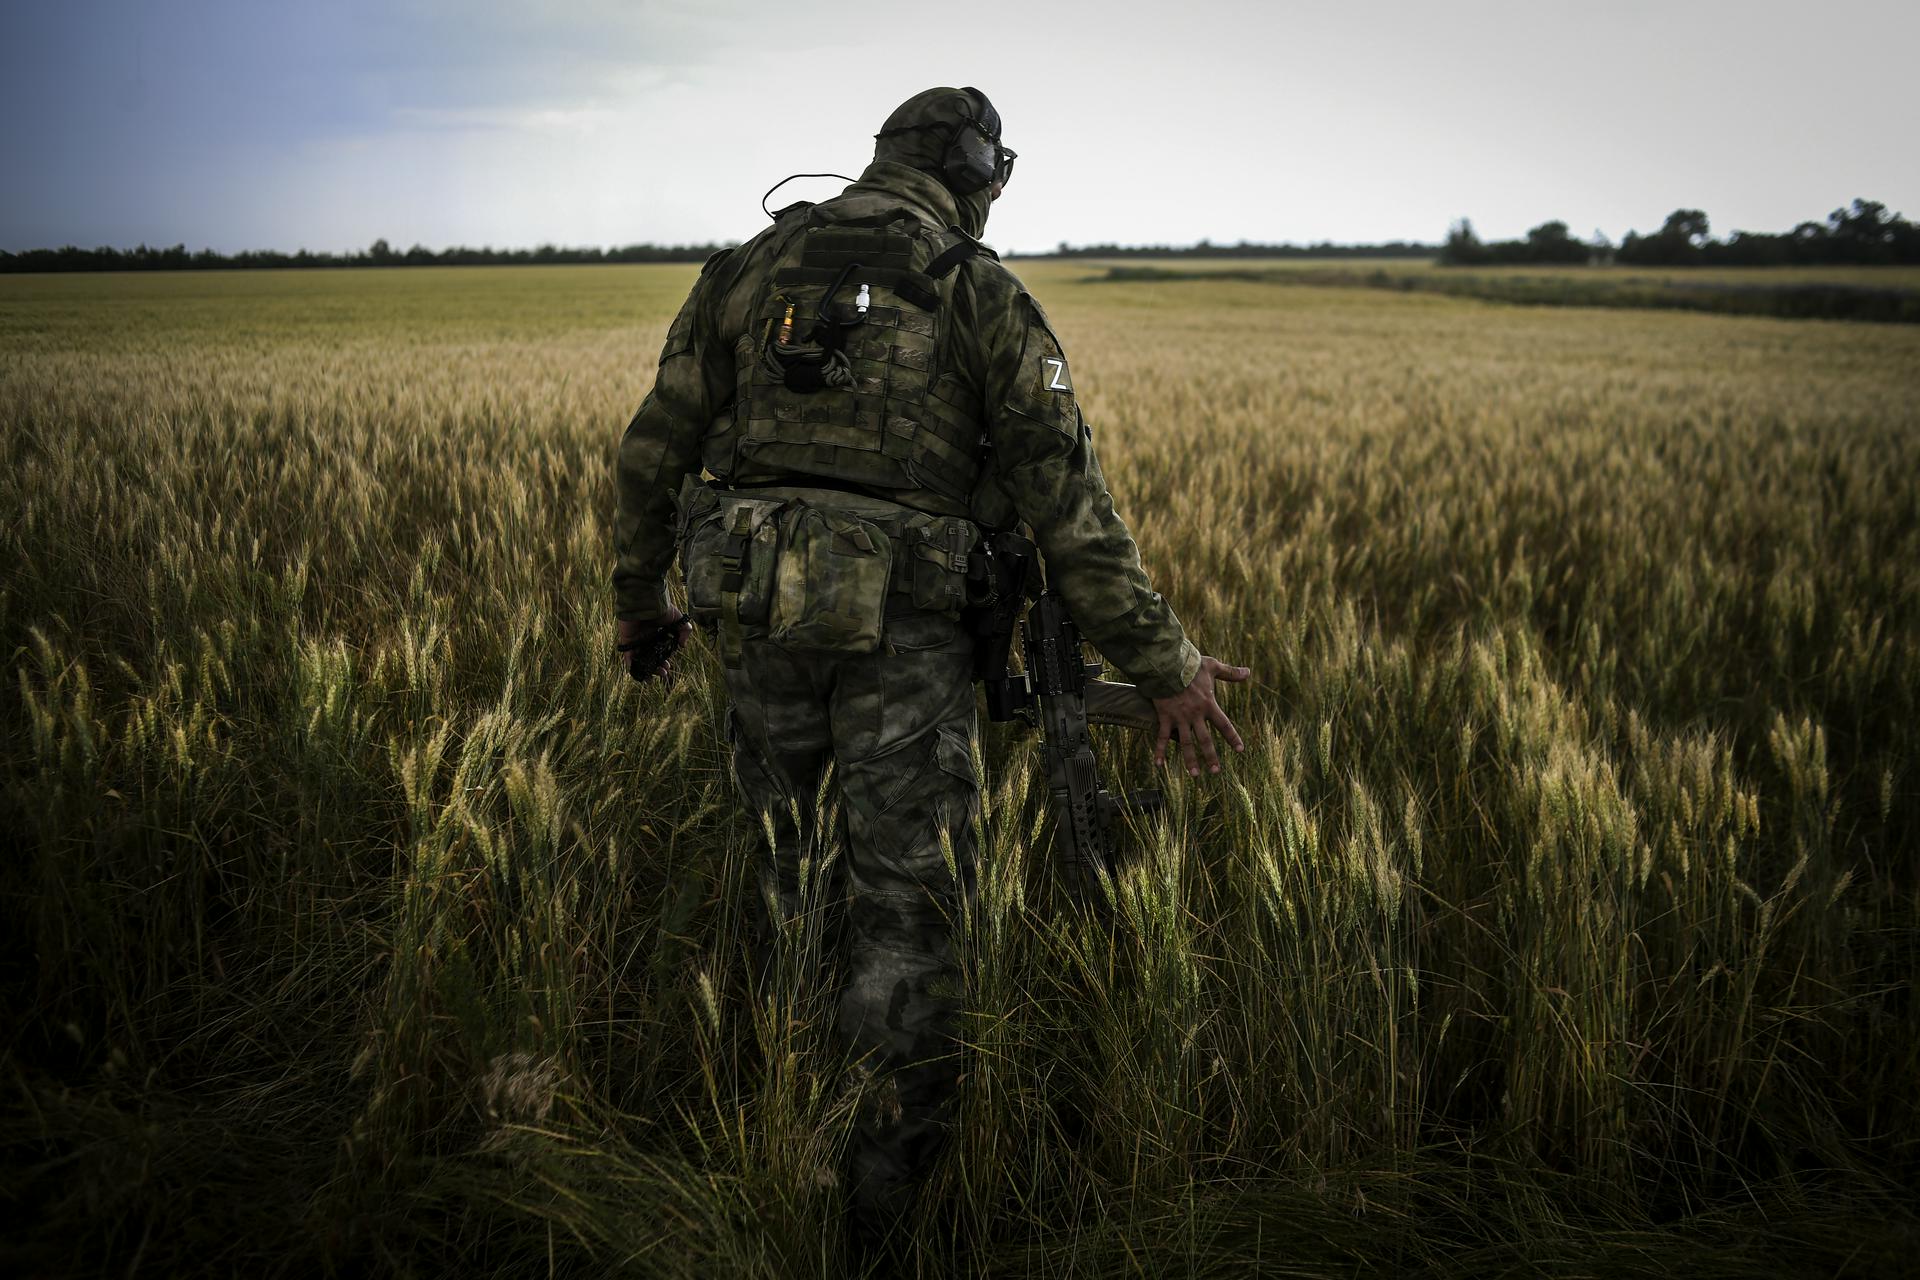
508,119
254,124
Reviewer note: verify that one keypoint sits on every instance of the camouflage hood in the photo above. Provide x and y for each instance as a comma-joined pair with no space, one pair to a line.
923,149
925,194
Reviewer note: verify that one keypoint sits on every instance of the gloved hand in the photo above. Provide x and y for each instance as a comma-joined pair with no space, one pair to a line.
646,649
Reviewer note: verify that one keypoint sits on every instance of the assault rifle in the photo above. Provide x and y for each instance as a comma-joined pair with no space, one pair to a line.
1061,693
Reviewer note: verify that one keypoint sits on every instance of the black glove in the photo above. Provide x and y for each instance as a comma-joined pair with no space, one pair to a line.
646,654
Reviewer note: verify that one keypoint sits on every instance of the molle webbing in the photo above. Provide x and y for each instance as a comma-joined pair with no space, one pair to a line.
910,285
951,414
835,248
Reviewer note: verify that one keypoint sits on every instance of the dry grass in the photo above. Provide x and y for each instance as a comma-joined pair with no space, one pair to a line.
1894,277
1561,918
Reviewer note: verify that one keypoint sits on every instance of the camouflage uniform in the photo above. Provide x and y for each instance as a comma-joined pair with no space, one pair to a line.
894,722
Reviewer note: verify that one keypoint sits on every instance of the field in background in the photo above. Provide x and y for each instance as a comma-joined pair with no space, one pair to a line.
1867,277
1878,294
1561,918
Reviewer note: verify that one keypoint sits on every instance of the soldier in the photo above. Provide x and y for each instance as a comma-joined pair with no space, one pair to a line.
869,390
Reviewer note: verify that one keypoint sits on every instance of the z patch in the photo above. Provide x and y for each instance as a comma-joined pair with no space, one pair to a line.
1053,374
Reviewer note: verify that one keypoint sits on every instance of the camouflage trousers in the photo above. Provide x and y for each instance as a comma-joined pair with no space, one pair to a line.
896,729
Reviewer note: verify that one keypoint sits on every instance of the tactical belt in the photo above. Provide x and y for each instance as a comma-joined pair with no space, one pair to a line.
812,482
950,541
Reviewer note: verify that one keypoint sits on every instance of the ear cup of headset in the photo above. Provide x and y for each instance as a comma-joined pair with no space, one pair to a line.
974,153
969,162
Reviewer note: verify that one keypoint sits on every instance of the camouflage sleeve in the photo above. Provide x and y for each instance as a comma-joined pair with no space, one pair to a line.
660,447
1044,459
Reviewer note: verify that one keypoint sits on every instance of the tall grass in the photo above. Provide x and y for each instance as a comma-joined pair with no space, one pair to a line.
1560,918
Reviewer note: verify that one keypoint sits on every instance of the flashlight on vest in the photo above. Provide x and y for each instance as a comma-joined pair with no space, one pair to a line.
785,336
864,299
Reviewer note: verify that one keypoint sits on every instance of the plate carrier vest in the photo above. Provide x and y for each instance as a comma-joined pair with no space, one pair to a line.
839,376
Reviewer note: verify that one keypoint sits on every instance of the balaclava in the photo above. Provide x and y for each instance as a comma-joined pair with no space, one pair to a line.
936,131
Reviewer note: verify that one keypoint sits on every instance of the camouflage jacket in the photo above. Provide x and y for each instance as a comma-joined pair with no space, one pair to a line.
1043,469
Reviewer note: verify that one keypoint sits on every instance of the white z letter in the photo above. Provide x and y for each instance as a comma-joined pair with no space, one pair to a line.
1059,367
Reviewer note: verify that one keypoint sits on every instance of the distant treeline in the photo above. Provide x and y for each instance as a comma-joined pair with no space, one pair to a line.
1864,233
1861,234
1239,249
379,254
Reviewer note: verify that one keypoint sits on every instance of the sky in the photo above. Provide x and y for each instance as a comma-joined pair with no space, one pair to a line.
236,124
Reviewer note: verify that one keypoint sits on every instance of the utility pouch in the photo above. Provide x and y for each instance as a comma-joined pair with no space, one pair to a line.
935,550
728,553
830,591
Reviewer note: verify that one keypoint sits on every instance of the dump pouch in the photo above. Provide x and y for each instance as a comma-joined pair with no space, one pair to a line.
830,590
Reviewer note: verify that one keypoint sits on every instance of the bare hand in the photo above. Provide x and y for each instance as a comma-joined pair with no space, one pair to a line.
630,634
1191,711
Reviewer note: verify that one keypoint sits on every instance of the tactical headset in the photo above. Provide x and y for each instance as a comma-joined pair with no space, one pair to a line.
974,156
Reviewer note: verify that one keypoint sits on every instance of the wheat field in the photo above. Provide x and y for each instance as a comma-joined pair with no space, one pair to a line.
1561,918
